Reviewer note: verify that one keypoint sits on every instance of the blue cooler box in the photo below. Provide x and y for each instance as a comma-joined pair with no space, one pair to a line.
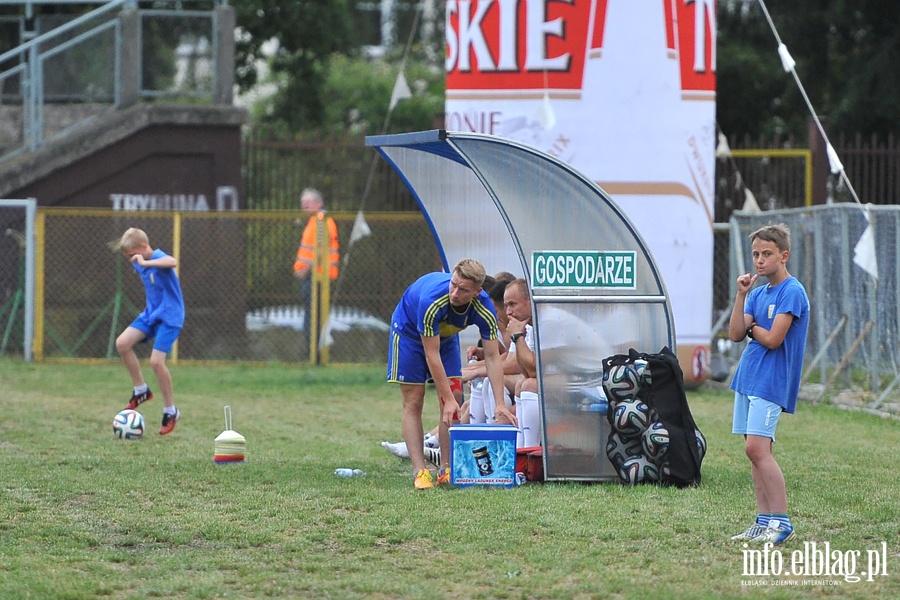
483,455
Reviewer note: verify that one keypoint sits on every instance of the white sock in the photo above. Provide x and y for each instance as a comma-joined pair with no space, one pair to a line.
399,449
528,412
476,401
432,441
170,410
488,400
140,389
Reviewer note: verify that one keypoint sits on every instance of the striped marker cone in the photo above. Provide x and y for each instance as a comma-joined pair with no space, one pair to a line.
230,446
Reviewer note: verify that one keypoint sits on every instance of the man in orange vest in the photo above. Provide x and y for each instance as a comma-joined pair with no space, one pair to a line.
311,200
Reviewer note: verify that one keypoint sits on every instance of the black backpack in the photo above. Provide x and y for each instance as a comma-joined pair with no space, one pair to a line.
646,396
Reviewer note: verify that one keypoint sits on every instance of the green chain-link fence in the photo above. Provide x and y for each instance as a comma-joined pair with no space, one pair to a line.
242,299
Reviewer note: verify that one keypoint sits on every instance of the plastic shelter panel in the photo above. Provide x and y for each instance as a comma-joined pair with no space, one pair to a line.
573,339
461,213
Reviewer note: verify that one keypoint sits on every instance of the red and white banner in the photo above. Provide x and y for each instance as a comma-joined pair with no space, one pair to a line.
624,91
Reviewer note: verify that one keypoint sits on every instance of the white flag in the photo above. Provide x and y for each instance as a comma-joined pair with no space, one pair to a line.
545,115
833,161
750,203
864,252
787,61
400,92
360,228
723,150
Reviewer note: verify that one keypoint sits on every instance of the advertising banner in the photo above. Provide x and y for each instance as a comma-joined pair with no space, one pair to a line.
622,90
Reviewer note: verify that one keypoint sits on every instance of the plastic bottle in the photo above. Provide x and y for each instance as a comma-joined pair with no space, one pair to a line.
349,472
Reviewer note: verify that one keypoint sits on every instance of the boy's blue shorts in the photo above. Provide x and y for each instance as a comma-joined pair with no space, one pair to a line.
755,416
163,335
406,359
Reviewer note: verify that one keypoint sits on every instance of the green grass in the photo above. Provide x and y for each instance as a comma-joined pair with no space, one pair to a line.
83,515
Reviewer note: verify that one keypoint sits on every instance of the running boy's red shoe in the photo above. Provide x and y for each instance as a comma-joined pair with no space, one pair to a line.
138,399
168,422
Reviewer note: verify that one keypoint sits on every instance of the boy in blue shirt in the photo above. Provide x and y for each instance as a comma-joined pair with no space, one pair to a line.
424,346
776,319
160,321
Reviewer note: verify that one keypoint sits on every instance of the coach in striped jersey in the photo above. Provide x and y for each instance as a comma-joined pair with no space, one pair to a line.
424,347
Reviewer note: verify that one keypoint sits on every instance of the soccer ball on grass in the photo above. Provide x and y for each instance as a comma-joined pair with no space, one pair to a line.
638,469
128,425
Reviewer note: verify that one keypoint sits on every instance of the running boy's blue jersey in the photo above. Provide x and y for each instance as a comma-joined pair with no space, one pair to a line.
424,310
774,375
164,301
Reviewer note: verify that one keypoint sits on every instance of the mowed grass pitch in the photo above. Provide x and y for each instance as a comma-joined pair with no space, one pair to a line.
83,515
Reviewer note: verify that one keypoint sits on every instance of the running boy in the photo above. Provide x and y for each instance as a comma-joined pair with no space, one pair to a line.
161,321
776,318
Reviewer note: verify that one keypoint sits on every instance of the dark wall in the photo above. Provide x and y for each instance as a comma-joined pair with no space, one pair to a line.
160,167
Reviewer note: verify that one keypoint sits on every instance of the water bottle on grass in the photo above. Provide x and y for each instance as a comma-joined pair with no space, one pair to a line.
344,472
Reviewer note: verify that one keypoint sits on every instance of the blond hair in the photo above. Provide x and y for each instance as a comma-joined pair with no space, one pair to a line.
131,239
471,269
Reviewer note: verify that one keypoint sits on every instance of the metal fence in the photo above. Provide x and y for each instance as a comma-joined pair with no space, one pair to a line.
855,319
351,176
242,300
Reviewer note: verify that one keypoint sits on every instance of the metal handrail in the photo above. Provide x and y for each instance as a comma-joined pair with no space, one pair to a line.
28,58
44,37
107,7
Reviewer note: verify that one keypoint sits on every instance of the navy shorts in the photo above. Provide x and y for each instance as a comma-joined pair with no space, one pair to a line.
406,360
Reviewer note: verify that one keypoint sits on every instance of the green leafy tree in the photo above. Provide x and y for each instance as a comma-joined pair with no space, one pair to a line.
324,83
308,33
846,53
361,91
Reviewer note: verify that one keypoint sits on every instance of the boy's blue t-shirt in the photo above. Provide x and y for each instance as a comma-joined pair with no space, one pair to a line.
424,310
774,375
164,301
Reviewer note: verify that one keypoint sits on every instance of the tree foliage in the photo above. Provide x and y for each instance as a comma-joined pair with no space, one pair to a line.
846,53
324,82
360,93
308,33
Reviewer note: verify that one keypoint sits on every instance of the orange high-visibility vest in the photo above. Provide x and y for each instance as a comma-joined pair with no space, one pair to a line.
306,253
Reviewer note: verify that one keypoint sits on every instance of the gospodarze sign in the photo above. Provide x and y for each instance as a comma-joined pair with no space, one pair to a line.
583,269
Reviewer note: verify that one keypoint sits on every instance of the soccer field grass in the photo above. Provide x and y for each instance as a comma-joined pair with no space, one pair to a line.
84,515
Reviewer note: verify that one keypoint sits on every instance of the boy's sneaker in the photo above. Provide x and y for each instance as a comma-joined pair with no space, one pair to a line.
168,422
751,532
424,480
444,476
433,455
138,399
775,534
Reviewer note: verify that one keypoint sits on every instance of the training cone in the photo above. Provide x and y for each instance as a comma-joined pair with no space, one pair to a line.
230,446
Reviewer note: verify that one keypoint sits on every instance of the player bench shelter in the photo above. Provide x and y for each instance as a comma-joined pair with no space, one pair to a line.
595,288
